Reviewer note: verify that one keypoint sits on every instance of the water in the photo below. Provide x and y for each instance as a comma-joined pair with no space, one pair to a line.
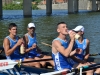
46,25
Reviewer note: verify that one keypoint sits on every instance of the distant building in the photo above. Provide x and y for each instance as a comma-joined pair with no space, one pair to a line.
54,1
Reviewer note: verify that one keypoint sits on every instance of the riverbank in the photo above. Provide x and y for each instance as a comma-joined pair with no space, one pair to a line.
82,5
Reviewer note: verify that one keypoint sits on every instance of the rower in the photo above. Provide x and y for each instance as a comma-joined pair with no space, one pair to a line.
11,46
82,46
32,50
62,49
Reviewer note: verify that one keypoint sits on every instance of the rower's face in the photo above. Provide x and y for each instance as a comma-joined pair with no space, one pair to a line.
80,33
62,28
13,31
31,30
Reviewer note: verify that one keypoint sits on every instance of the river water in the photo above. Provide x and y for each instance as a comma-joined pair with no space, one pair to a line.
46,25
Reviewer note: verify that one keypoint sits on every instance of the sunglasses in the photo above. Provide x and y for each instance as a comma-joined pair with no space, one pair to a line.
32,28
76,31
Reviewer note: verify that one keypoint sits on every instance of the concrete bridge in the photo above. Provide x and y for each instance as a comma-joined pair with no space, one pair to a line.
73,7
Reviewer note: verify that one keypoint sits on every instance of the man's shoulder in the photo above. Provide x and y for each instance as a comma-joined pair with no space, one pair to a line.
6,40
25,34
87,40
56,42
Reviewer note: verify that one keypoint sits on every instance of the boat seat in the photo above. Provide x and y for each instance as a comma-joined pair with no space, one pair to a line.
2,53
1,50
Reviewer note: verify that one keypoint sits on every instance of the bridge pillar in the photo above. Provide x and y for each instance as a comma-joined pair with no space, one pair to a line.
0,9
72,6
94,5
27,8
48,7
76,6
89,6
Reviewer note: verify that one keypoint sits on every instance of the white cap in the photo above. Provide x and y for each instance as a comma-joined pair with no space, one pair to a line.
31,25
79,28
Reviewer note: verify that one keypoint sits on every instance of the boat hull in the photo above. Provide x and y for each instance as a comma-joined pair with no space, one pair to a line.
24,70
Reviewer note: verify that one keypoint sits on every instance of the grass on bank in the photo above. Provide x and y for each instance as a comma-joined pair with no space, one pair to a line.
12,6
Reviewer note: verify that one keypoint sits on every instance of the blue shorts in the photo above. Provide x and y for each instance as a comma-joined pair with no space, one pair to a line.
22,59
34,55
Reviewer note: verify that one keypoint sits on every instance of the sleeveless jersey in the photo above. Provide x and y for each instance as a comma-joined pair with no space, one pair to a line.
81,46
59,59
31,41
16,54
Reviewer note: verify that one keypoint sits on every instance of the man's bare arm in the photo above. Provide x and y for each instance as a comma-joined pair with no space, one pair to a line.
61,49
7,49
87,50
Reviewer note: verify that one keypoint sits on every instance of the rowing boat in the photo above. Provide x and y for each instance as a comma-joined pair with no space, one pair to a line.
25,70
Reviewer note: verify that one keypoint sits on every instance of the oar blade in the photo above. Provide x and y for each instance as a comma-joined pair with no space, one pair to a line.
7,64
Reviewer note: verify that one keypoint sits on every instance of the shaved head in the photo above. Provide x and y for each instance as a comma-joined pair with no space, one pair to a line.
62,28
58,25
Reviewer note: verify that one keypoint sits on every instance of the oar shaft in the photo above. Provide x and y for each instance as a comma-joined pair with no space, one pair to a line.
46,44
37,60
94,54
91,68
94,65
84,68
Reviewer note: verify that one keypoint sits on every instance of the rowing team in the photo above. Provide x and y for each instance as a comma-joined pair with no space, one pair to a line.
66,54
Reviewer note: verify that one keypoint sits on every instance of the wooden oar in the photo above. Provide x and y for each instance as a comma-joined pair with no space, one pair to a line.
51,46
95,54
46,44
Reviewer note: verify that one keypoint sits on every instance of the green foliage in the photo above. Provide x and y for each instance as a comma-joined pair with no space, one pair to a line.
16,6
34,6
13,6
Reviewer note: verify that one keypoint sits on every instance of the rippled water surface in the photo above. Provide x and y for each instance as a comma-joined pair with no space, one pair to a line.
46,25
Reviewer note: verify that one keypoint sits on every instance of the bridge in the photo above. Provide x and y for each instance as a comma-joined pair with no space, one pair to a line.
72,7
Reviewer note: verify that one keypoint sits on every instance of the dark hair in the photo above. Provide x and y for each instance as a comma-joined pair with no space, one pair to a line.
60,23
12,25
